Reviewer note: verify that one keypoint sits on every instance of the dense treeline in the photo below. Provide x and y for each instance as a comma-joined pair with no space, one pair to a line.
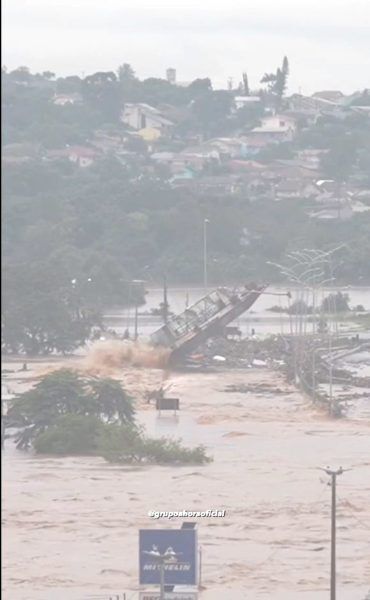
31,117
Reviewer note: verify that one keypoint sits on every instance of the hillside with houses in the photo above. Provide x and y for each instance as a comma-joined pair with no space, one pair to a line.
259,143
109,178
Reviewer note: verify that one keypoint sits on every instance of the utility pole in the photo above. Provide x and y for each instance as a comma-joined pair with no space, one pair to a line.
161,591
205,274
137,283
200,567
165,301
333,475
2,426
161,560
136,321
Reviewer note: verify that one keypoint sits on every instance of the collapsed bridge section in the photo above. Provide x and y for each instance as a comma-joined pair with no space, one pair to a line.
205,318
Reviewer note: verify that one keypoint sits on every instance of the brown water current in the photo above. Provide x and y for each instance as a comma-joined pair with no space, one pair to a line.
70,525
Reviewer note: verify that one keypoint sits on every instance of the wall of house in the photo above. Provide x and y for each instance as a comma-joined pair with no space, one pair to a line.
278,122
138,118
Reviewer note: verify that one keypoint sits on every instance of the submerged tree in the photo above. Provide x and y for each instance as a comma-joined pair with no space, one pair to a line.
43,312
69,414
338,302
65,392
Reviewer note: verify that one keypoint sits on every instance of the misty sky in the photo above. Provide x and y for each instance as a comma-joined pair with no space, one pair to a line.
326,41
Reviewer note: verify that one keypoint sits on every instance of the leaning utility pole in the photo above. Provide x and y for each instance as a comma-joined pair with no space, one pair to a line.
333,475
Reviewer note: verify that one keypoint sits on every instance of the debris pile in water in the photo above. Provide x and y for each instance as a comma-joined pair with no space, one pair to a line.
243,353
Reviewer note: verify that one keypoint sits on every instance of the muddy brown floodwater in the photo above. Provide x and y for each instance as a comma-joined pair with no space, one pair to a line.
70,525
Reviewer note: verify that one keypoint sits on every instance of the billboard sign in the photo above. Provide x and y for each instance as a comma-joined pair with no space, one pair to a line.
168,404
181,547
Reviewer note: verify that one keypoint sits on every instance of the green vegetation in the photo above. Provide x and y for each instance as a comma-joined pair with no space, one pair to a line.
333,303
65,392
74,435
277,82
123,445
67,414
75,237
362,320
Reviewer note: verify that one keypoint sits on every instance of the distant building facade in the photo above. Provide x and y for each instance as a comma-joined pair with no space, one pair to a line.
171,75
142,116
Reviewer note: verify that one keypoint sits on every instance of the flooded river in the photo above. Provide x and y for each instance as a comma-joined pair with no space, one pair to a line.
70,525
259,317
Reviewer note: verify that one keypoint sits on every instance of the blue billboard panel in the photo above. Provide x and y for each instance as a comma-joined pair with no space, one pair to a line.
180,548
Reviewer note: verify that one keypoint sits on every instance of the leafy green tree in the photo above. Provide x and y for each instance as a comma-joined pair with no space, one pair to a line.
101,92
123,445
299,307
21,75
69,85
48,74
126,73
199,87
65,392
112,401
282,78
67,414
71,435
59,393
277,82
338,302
212,110
41,313
270,80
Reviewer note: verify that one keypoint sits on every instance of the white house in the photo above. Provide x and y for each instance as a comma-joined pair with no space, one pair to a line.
67,99
242,101
282,127
143,116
